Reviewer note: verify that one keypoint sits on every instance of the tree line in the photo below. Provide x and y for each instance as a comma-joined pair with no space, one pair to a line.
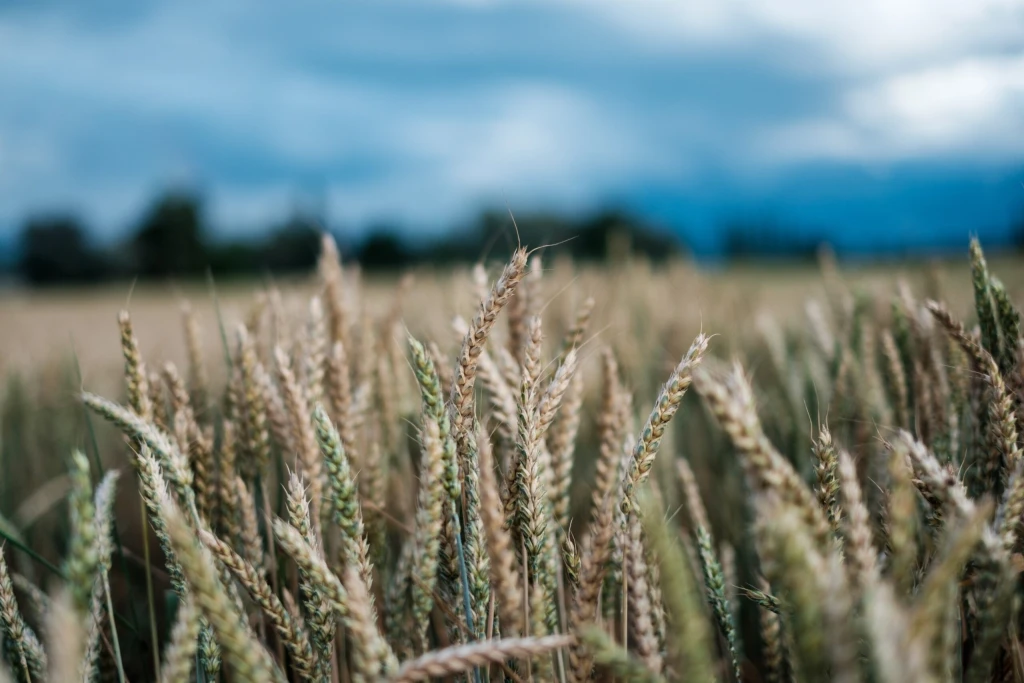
173,238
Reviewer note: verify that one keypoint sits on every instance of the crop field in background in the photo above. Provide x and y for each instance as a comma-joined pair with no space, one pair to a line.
43,326
526,470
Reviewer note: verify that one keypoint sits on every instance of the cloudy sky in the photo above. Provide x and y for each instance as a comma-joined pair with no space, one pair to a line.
888,122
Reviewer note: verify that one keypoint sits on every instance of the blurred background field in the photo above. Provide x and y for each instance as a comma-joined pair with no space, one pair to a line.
48,325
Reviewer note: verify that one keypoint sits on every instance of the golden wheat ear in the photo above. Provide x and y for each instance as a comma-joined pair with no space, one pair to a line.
30,659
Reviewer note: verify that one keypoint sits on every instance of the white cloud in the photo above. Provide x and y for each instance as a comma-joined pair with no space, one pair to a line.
972,106
533,135
528,143
846,35
913,79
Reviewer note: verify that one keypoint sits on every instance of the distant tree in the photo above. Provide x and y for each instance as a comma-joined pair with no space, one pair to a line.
535,229
384,249
54,250
170,239
294,245
236,257
612,230
589,238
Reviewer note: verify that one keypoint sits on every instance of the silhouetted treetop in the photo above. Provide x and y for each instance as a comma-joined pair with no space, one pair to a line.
170,239
54,249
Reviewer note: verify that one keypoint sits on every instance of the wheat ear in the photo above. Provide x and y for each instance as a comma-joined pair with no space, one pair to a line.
863,557
65,637
504,572
730,399
303,437
616,659
431,506
262,594
27,655
319,615
461,658
666,406
244,654
179,654
689,644
344,498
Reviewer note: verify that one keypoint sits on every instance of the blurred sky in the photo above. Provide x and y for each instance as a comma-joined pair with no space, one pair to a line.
888,121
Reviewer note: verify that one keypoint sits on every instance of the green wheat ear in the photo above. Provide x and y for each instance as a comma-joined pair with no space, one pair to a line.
617,660
714,585
1009,324
987,317
83,562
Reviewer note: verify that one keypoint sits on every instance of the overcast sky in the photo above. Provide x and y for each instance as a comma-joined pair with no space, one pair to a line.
888,121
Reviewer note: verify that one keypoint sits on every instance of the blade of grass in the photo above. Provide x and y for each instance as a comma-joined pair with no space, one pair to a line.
113,631
32,553
220,320
153,633
466,600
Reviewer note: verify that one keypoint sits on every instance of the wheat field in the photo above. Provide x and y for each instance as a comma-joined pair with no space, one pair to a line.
526,470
